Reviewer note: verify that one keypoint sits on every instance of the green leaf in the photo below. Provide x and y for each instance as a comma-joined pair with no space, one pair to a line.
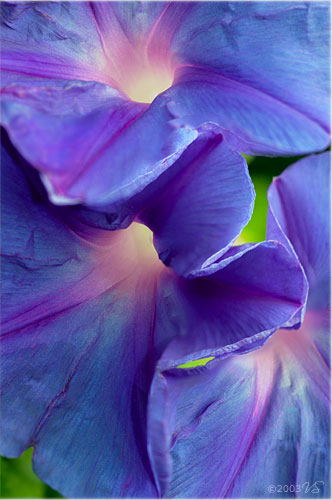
197,362
17,479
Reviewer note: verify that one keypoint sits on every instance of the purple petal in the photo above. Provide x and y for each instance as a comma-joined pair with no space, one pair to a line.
260,93
235,308
86,316
245,61
253,121
76,350
299,201
90,143
87,41
51,40
232,309
104,158
204,190
203,207
237,427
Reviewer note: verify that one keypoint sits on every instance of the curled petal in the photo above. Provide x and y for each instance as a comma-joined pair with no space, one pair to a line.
231,309
78,134
79,306
75,348
230,407
204,204
202,189
258,58
299,201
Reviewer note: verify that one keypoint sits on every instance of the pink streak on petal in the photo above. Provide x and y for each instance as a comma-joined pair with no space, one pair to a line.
265,370
296,352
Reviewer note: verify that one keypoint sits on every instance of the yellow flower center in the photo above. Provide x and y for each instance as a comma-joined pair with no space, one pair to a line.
147,84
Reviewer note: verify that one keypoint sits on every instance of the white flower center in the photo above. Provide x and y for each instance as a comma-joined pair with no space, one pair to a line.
147,84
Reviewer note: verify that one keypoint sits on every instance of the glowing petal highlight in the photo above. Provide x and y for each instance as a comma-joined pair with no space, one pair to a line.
146,86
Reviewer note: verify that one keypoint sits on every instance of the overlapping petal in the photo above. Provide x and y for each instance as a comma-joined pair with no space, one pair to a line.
78,135
203,188
68,65
220,312
86,315
65,110
246,294
208,192
231,404
240,62
299,215
255,122
246,424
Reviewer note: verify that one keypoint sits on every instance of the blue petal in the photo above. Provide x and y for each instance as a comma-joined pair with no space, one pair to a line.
232,309
198,212
119,171
76,41
90,143
85,317
50,40
254,122
239,427
76,349
235,305
269,99
244,61
299,216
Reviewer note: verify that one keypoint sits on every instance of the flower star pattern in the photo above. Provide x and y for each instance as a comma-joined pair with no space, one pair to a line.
124,196
86,316
265,414
70,70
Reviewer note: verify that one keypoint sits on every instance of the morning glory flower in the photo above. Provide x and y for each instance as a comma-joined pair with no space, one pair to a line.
88,313
258,425
103,97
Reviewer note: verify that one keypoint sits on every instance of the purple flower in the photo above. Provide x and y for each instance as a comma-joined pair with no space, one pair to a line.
131,113
90,317
258,425
74,77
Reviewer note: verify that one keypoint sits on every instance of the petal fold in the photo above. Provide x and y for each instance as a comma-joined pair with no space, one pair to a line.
254,122
203,207
85,320
299,216
241,427
90,143
258,58
75,348
234,306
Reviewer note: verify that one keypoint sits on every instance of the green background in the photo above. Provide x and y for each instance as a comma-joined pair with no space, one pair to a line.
17,478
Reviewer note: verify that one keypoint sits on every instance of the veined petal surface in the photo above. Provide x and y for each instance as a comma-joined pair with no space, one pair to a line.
299,216
240,426
268,98
260,69
78,135
265,413
86,315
